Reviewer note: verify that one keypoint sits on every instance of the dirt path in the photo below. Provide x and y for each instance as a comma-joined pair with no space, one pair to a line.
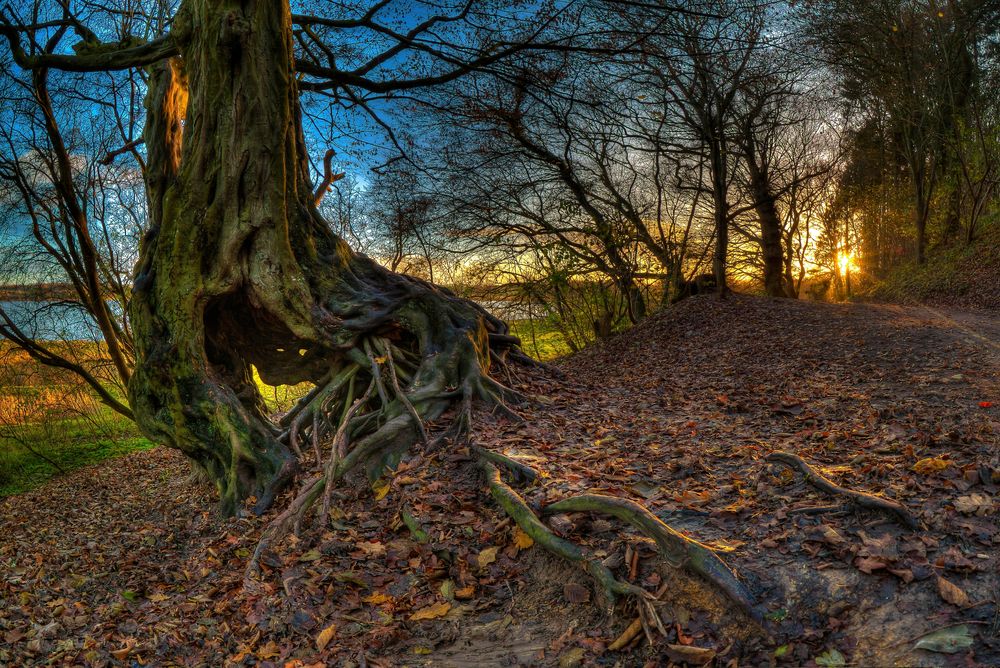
677,414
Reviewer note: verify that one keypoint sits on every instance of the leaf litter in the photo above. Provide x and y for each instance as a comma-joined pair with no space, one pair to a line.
128,562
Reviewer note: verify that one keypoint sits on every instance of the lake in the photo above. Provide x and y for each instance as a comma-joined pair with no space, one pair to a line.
58,321
52,321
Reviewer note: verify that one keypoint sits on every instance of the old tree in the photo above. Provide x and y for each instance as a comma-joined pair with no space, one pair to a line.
238,271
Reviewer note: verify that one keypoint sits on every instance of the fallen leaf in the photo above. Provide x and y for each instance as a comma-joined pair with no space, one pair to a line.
831,658
486,557
522,540
576,593
974,504
946,641
380,487
311,555
432,611
695,656
985,404
324,637
930,465
952,593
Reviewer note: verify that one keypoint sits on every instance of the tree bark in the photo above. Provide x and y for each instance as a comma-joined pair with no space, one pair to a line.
770,228
239,272
720,191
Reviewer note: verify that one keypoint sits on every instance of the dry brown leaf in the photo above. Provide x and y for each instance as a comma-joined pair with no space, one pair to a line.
952,593
576,593
695,656
324,637
974,504
487,557
432,611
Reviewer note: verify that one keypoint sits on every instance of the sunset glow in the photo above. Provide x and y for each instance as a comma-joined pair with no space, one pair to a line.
846,263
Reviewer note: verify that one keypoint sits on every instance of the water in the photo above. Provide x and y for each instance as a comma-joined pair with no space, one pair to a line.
52,321
59,321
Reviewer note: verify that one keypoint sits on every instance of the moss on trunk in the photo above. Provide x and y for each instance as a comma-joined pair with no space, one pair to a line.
239,270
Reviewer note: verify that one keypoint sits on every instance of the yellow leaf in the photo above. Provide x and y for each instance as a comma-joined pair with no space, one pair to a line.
930,465
381,488
522,540
431,612
486,557
378,598
156,598
422,650
325,636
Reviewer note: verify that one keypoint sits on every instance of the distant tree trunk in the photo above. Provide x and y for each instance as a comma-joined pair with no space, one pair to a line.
720,199
770,227
922,210
239,272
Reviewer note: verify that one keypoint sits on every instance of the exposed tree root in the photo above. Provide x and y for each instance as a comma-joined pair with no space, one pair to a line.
405,389
891,508
611,587
676,549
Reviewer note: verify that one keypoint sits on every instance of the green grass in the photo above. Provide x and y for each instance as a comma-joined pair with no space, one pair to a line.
21,470
540,339
69,444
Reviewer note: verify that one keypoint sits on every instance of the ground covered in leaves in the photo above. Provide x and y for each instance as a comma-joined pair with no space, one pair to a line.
127,563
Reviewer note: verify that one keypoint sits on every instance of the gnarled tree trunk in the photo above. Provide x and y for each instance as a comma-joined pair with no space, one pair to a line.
239,271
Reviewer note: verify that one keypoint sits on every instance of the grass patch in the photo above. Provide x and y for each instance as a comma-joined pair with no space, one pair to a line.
540,339
22,470
51,422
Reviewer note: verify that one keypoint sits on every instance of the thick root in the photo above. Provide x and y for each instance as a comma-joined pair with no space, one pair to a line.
894,510
520,470
375,429
676,549
512,504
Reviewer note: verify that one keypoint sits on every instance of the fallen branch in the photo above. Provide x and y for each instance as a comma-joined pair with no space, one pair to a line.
861,499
